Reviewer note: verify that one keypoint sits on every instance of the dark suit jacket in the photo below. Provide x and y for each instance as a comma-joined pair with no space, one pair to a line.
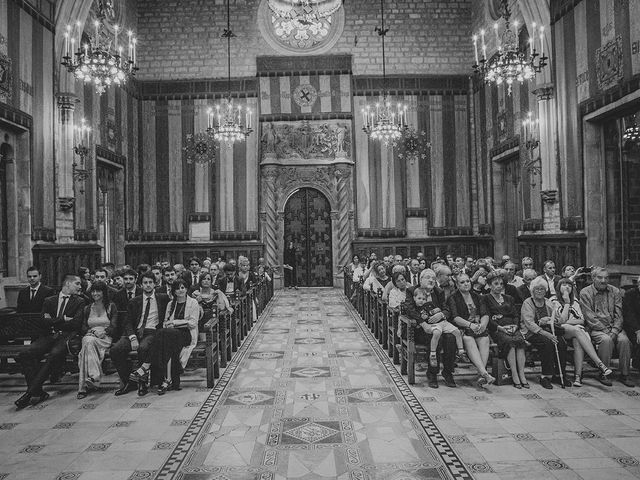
556,279
524,292
121,299
631,313
134,312
188,279
458,307
74,304
237,284
112,315
251,280
437,299
26,305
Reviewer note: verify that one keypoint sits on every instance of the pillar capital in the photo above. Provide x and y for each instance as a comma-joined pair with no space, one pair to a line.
545,92
67,100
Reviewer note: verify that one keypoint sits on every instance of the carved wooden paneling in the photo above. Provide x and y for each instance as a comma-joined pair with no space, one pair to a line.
136,254
474,246
562,249
55,261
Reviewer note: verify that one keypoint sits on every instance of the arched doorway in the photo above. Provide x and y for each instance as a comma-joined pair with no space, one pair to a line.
307,221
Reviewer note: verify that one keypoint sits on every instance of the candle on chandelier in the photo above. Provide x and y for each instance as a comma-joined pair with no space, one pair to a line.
534,25
495,29
66,41
484,46
541,41
515,28
209,119
475,47
115,42
135,41
97,40
130,52
86,51
250,119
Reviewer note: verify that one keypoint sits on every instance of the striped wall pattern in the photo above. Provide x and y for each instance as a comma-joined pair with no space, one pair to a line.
278,94
173,189
587,41
29,45
387,184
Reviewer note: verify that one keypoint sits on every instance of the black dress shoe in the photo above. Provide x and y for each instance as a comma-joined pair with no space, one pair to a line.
432,381
41,397
129,387
449,381
546,383
143,389
23,401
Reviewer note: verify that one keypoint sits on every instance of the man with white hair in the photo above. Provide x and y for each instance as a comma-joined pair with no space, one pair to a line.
443,277
601,305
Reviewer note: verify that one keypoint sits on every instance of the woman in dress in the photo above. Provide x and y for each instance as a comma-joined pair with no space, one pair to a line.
465,307
98,320
174,342
210,297
568,316
504,326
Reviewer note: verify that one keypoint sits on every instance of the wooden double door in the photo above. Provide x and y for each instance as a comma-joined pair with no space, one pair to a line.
307,222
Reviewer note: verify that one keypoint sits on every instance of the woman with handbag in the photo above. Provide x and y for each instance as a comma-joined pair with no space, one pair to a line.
568,316
504,327
209,298
174,342
99,323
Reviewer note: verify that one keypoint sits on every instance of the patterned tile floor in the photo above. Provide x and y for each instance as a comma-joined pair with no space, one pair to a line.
310,395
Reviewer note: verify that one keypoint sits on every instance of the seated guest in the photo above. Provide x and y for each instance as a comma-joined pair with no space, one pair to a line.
373,280
214,270
511,277
157,274
229,283
117,280
414,272
60,312
209,296
102,275
447,342
443,277
601,305
169,275
245,275
569,319
549,275
504,327
631,318
173,343
537,312
527,264
465,307
141,269
129,291
145,314
192,276
479,280
355,264
433,322
469,265
397,293
180,270
85,280
509,289
577,276
31,298
99,321
524,290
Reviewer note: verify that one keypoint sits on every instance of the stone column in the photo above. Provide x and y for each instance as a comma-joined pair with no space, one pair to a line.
341,224
269,216
548,157
64,167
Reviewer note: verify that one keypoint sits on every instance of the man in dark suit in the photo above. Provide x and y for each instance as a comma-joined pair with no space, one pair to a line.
229,283
122,298
192,276
31,298
145,314
447,341
169,276
102,275
59,311
246,276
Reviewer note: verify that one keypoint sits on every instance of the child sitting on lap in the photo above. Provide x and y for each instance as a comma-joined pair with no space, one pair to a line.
434,323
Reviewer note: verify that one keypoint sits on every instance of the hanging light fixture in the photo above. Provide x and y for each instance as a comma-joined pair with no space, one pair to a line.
102,60
509,64
632,132
306,11
81,142
226,123
385,121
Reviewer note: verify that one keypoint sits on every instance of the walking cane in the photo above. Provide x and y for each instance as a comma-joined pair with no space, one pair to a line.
553,332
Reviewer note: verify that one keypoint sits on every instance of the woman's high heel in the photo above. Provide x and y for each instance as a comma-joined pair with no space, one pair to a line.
164,386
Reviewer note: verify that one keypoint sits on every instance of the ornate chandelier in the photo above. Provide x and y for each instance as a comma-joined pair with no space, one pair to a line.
509,64
306,11
632,133
385,121
226,123
102,60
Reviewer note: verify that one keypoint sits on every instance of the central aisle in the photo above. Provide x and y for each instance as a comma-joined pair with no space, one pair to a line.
311,395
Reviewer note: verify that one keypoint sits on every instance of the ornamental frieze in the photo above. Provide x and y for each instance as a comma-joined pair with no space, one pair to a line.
307,139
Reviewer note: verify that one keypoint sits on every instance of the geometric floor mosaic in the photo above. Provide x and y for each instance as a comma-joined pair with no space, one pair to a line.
309,396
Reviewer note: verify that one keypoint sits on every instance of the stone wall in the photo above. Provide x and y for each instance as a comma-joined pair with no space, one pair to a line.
180,39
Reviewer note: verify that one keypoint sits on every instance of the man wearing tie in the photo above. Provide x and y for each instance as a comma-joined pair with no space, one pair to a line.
31,298
414,272
129,291
59,311
192,277
145,314
169,275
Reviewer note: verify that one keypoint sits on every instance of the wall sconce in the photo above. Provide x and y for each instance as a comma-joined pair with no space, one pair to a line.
531,142
81,142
